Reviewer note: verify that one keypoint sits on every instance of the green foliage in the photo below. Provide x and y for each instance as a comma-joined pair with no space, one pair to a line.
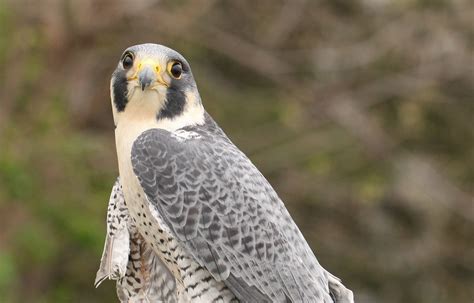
358,112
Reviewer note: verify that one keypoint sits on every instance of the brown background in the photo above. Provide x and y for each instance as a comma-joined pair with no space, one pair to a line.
359,113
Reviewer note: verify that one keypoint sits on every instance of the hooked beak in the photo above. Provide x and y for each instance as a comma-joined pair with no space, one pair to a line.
148,73
146,76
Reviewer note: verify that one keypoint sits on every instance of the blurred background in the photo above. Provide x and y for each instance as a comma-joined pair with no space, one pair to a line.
360,113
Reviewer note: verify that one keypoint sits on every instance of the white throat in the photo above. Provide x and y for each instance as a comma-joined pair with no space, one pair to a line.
141,112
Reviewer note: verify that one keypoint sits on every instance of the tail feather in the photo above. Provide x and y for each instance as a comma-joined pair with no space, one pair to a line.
339,293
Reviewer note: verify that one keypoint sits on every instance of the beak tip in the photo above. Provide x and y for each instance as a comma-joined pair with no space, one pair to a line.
146,77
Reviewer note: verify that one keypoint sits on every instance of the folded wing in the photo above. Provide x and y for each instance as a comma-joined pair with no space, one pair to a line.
227,215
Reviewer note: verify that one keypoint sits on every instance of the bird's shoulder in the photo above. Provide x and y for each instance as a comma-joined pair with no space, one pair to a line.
226,213
201,142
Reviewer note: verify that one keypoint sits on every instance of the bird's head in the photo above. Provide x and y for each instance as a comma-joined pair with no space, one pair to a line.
154,81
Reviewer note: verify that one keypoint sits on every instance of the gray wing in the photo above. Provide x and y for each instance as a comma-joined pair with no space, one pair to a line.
219,205
141,275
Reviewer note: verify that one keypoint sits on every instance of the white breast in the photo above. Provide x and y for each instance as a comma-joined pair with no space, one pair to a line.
133,122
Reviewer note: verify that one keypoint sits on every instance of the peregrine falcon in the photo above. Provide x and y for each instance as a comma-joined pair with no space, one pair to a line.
190,218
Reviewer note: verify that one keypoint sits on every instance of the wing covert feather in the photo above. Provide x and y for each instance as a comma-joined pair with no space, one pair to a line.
227,215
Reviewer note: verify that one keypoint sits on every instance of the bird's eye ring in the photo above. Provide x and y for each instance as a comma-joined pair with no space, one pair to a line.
175,69
127,60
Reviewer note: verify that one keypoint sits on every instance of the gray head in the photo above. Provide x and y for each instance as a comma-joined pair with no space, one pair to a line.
153,73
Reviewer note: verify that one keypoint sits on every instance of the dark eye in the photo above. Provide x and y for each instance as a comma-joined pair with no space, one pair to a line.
176,69
127,60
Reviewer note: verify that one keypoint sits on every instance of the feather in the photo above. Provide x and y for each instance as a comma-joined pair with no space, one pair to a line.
141,275
113,263
221,208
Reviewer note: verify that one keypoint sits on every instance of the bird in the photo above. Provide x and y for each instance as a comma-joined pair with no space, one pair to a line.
190,218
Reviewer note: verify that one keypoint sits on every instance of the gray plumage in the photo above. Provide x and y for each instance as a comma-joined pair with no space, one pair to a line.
226,214
195,220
